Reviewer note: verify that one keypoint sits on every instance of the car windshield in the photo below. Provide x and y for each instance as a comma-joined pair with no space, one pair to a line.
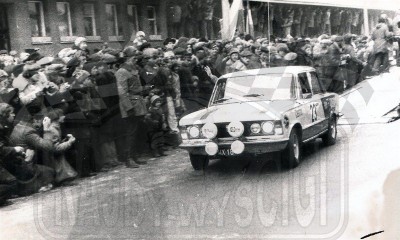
254,87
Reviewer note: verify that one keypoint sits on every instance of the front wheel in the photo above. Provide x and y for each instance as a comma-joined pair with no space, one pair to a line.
329,137
291,155
199,162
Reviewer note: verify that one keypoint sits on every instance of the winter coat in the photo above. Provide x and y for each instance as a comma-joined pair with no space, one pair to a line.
7,151
130,92
303,59
333,55
234,66
379,36
56,160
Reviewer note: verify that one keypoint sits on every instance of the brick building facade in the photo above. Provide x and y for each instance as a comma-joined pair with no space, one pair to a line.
52,25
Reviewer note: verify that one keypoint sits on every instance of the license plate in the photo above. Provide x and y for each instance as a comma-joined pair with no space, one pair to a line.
225,152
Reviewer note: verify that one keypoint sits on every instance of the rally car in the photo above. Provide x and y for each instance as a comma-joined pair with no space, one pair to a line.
260,111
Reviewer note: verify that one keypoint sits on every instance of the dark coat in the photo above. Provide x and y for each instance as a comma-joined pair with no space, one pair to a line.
130,92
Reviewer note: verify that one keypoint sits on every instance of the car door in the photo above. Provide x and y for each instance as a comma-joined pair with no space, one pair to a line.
319,109
304,111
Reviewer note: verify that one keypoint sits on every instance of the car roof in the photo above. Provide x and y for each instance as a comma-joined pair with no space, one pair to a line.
273,70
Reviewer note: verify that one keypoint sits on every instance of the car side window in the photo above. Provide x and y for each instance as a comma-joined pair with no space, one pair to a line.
304,85
316,87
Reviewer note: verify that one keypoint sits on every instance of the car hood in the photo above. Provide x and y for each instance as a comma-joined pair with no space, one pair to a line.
243,111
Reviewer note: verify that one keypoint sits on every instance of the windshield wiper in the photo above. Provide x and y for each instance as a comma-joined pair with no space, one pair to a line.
222,100
253,95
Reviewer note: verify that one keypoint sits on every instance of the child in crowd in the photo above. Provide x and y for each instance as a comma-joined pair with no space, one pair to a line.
157,126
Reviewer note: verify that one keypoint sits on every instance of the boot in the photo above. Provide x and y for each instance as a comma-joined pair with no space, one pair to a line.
162,153
139,161
155,153
130,163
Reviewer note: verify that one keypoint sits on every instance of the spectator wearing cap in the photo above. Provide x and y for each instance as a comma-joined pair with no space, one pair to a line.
335,70
34,86
133,109
140,39
56,159
31,176
233,64
353,63
290,59
247,59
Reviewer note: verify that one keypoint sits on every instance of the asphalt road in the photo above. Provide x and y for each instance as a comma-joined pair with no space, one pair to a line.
345,191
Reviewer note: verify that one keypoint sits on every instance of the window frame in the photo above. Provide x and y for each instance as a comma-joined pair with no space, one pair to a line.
301,84
42,31
116,27
69,21
93,16
321,89
154,19
134,9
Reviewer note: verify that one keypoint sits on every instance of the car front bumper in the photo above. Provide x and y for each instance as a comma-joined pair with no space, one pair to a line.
253,145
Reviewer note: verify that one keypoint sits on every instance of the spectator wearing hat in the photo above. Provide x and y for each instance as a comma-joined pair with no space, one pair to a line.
156,126
169,44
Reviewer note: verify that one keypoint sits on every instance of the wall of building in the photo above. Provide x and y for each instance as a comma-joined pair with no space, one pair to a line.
20,26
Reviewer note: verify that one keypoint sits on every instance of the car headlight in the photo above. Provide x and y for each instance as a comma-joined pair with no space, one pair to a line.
267,127
255,128
235,129
209,130
194,131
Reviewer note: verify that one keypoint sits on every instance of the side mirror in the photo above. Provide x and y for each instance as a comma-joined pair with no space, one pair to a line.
307,95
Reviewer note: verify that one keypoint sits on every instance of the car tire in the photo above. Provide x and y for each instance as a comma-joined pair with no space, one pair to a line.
329,137
199,162
291,156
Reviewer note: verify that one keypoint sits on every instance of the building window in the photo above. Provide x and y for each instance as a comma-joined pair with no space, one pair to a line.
64,19
112,20
89,19
133,18
152,18
36,16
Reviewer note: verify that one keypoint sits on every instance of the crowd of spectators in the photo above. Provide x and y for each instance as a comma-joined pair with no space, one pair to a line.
82,111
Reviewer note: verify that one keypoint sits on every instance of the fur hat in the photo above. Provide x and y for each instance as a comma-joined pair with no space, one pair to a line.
79,40
140,33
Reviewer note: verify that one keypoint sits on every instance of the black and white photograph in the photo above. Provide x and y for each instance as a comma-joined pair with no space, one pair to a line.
200,119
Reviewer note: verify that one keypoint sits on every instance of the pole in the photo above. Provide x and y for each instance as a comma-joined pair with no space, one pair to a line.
366,22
